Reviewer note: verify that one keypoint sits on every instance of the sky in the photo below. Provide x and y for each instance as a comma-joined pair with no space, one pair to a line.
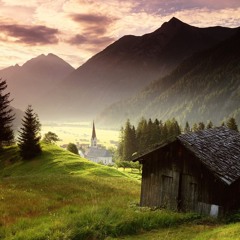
75,30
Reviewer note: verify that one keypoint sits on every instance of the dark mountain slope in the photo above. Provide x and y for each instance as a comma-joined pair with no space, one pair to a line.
34,78
204,87
129,64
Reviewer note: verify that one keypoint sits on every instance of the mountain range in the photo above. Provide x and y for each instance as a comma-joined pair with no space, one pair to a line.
161,74
31,81
206,86
128,65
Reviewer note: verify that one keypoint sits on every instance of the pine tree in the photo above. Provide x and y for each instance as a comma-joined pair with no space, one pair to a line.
129,144
201,126
150,132
195,127
156,132
231,124
175,128
120,145
6,116
187,128
29,135
164,131
172,129
210,125
142,134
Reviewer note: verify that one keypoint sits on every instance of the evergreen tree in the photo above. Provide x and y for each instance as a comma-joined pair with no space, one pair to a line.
172,129
175,128
164,132
150,133
156,132
129,144
210,125
187,128
142,134
195,127
120,145
157,122
231,124
29,135
201,126
6,116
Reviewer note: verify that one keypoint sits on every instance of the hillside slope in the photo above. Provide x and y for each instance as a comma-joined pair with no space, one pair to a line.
59,195
128,65
55,192
204,87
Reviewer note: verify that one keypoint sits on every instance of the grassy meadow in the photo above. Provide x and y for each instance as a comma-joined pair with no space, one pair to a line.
61,196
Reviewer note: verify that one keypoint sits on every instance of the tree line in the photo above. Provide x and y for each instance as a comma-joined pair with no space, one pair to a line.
29,134
148,133
132,139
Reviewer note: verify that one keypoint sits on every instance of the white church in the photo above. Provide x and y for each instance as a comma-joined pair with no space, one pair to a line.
96,153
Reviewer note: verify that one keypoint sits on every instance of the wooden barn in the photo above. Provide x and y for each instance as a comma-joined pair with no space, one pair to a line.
199,172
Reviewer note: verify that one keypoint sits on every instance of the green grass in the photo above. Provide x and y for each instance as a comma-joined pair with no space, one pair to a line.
59,195
191,232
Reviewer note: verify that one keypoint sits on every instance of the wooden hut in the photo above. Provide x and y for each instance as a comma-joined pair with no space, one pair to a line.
199,172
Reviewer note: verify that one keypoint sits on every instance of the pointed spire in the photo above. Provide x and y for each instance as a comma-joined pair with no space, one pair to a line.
94,137
93,132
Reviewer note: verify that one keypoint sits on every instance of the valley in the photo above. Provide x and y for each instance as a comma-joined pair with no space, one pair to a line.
123,82
80,133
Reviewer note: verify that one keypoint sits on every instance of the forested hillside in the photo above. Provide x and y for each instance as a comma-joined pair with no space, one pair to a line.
204,87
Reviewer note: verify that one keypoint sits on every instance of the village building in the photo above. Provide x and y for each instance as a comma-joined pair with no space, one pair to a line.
97,153
198,172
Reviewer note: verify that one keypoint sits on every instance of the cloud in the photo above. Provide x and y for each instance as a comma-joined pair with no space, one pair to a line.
93,23
92,19
90,25
94,27
30,35
164,7
81,39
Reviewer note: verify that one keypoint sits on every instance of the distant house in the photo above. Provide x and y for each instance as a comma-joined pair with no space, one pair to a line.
96,153
199,171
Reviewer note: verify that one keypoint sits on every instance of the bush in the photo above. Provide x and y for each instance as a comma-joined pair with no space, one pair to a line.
72,148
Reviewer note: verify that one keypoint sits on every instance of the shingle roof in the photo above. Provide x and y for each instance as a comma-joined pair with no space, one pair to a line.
94,152
218,149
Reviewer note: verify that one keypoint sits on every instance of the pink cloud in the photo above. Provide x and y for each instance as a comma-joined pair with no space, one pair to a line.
31,35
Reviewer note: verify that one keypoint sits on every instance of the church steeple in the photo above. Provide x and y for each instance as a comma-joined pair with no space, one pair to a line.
94,137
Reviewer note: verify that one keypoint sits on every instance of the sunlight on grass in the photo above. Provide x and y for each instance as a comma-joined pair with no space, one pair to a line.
59,195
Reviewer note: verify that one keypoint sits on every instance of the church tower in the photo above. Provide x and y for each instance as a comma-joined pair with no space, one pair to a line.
94,137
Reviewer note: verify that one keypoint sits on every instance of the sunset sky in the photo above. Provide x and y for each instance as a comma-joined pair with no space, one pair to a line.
77,29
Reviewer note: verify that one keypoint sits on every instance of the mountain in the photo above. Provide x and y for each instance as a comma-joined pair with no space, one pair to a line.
28,83
18,118
204,87
128,65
